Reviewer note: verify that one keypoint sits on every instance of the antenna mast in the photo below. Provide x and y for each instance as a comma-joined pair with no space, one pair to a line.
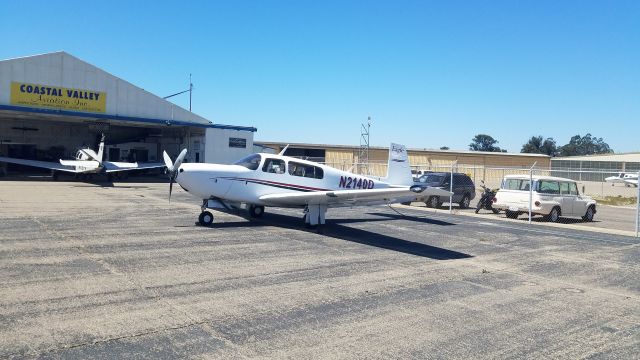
189,90
363,158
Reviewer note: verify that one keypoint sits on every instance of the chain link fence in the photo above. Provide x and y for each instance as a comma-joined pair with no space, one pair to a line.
617,201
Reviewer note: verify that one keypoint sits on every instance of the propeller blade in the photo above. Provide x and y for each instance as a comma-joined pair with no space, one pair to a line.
179,159
171,178
167,161
173,167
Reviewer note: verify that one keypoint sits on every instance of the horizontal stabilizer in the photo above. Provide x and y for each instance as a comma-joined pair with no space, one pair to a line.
89,164
126,166
91,154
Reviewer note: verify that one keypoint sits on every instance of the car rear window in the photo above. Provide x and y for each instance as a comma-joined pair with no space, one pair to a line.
515,184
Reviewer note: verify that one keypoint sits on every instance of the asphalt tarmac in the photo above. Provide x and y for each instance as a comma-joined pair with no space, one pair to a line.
119,272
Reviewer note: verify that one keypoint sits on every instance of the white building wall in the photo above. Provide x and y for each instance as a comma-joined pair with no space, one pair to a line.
217,148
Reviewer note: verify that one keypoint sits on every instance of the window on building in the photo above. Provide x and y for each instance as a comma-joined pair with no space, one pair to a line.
237,143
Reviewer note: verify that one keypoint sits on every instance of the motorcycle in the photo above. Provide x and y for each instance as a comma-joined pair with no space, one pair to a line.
486,200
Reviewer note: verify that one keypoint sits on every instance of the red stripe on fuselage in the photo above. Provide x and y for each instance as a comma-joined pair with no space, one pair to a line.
281,184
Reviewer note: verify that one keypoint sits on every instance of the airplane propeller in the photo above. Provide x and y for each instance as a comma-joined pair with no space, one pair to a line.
173,167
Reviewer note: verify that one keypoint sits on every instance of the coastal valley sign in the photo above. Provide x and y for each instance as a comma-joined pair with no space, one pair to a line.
36,95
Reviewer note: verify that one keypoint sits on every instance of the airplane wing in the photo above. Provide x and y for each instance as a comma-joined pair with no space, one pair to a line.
39,164
349,197
126,166
633,182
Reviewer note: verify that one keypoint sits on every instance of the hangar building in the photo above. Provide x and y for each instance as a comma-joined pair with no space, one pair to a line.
55,103
595,167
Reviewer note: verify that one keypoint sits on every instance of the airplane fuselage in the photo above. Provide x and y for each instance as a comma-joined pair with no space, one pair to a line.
273,174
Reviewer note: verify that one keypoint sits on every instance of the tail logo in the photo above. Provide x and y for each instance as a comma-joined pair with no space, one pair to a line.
398,153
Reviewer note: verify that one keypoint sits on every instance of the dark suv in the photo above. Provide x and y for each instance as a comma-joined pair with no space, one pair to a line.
463,188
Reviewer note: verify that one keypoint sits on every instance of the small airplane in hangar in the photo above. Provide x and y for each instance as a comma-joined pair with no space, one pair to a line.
260,180
86,163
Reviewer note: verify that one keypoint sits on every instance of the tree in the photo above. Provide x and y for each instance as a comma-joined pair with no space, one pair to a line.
536,145
483,142
444,148
585,145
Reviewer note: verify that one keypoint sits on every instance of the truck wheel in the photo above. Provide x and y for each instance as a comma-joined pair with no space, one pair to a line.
512,214
464,203
554,215
433,202
588,216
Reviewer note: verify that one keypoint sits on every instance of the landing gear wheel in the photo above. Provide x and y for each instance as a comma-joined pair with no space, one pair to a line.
464,203
256,211
433,202
205,218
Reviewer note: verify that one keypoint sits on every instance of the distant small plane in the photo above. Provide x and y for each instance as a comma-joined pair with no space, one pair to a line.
622,178
87,162
260,180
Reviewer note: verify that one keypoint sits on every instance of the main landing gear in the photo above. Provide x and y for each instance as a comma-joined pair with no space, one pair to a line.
314,215
256,211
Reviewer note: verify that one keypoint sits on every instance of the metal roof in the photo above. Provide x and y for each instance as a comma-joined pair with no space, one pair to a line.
354,147
622,157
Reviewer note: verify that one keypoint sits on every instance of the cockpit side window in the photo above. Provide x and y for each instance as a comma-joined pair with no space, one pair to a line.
303,170
251,162
275,166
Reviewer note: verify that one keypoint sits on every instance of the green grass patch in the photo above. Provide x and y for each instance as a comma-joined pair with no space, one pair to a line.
615,200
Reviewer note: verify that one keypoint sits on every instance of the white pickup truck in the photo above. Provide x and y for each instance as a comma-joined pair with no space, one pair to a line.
553,197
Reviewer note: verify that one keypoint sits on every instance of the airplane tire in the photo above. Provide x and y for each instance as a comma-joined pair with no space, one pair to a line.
205,218
256,211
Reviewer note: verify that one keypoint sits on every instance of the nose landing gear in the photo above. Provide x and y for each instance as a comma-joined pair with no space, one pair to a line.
205,218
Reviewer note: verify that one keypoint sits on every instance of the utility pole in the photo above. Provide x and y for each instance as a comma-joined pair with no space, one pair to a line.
363,157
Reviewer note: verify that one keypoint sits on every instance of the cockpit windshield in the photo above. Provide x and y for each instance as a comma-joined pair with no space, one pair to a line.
251,162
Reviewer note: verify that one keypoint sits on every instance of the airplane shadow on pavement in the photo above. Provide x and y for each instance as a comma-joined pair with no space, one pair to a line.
335,229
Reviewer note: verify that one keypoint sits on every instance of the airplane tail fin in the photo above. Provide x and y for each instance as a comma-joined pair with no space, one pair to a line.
398,170
101,149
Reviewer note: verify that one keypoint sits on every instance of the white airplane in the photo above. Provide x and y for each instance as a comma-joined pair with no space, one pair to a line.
261,180
627,179
87,162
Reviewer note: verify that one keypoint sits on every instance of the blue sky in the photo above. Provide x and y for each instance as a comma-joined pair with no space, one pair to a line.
429,73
